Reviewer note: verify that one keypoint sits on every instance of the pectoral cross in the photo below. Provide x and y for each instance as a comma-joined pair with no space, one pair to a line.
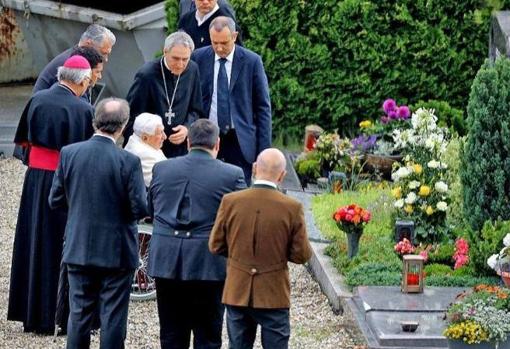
169,116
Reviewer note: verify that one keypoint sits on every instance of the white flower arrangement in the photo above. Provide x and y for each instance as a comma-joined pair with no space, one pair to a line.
442,206
441,187
498,259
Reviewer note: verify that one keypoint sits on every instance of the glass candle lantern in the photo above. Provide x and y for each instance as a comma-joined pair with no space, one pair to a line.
412,274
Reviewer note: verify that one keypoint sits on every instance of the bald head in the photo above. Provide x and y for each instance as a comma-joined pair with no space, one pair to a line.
111,115
270,165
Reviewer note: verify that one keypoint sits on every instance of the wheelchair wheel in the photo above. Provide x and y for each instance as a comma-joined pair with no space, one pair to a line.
143,286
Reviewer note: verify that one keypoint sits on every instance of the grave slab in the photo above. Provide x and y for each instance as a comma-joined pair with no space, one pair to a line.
380,310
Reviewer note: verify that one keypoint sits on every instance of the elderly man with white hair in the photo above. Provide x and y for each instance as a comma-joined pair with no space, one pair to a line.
146,142
169,87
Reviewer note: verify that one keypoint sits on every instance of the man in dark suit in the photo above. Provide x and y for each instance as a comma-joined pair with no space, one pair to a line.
95,36
184,196
103,188
259,230
196,23
235,95
186,6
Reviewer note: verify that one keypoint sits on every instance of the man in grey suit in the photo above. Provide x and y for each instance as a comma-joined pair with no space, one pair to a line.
103,188
184,195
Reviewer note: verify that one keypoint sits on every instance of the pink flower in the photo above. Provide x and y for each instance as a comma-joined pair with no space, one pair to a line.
385,119
392,115
389,105
425,256
403,112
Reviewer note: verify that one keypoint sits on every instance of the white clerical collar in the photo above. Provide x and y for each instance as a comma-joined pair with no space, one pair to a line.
200,21
229,58
264,182
105,136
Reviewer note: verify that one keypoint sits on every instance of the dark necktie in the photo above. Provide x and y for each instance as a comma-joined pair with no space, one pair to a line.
222,98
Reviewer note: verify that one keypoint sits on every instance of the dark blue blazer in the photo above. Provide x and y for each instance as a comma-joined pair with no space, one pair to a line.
184,195
250,106
48,76
103,188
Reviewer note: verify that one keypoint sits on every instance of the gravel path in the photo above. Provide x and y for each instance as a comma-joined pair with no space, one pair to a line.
313,324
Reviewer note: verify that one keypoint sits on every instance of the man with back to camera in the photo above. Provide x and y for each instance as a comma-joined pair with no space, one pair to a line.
235,95
103,188
184,196
259,230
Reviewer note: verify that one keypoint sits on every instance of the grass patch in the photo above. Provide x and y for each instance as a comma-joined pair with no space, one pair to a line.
376,263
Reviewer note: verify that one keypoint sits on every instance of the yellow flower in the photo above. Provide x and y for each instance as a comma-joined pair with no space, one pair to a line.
417,168
365,124
397,192
409,208
429,210
424,190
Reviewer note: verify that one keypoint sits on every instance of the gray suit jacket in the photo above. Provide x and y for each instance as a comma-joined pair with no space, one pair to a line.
184,195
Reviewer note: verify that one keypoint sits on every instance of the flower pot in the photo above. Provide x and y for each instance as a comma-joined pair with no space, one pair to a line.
459,344
353,243
505,276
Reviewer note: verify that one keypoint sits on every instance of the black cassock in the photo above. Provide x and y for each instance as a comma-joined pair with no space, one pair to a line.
52,119
147,94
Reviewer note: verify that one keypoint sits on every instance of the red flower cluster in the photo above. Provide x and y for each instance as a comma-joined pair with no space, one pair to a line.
352,214
404,246
461,256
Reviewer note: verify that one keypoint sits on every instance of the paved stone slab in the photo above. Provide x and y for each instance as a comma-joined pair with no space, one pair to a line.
380,311
314,234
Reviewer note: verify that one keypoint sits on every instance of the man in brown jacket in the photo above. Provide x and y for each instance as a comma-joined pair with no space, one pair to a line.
260,230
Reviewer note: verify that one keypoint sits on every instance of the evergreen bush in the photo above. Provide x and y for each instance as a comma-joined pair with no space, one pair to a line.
331,62
485,170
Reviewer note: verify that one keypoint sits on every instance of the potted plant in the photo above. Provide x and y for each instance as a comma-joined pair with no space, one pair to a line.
479,319
351,219
500,262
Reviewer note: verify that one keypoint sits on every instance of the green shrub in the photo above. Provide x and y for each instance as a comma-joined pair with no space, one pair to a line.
486,243
447,116
332,62
308,166
451,157
459,281
375,274
438,269
466,270
442,254
485,170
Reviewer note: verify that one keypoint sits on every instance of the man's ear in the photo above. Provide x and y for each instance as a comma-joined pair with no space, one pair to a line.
282,176
254,170
217,145
188,142
234,36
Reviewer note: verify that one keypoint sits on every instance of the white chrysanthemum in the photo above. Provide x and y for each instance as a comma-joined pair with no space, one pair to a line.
506,240
492,261
399,203
433,164
441,187
410,198
414,184
400,173
442,206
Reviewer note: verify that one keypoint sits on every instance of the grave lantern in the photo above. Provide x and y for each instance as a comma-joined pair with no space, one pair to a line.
312,133
412,273
404,229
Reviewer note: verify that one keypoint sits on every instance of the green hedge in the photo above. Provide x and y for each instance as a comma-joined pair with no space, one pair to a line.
334,62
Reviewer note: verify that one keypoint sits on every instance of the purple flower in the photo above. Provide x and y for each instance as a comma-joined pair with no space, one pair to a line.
403,112
393,115
384,119
364,143
389,105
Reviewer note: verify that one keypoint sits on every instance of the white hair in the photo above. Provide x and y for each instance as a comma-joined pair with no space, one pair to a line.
73,75
146,123
97,34
179,38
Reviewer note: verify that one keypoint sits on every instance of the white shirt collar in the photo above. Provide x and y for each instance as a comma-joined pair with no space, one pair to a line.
200,21
264,182
105,136
229,58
